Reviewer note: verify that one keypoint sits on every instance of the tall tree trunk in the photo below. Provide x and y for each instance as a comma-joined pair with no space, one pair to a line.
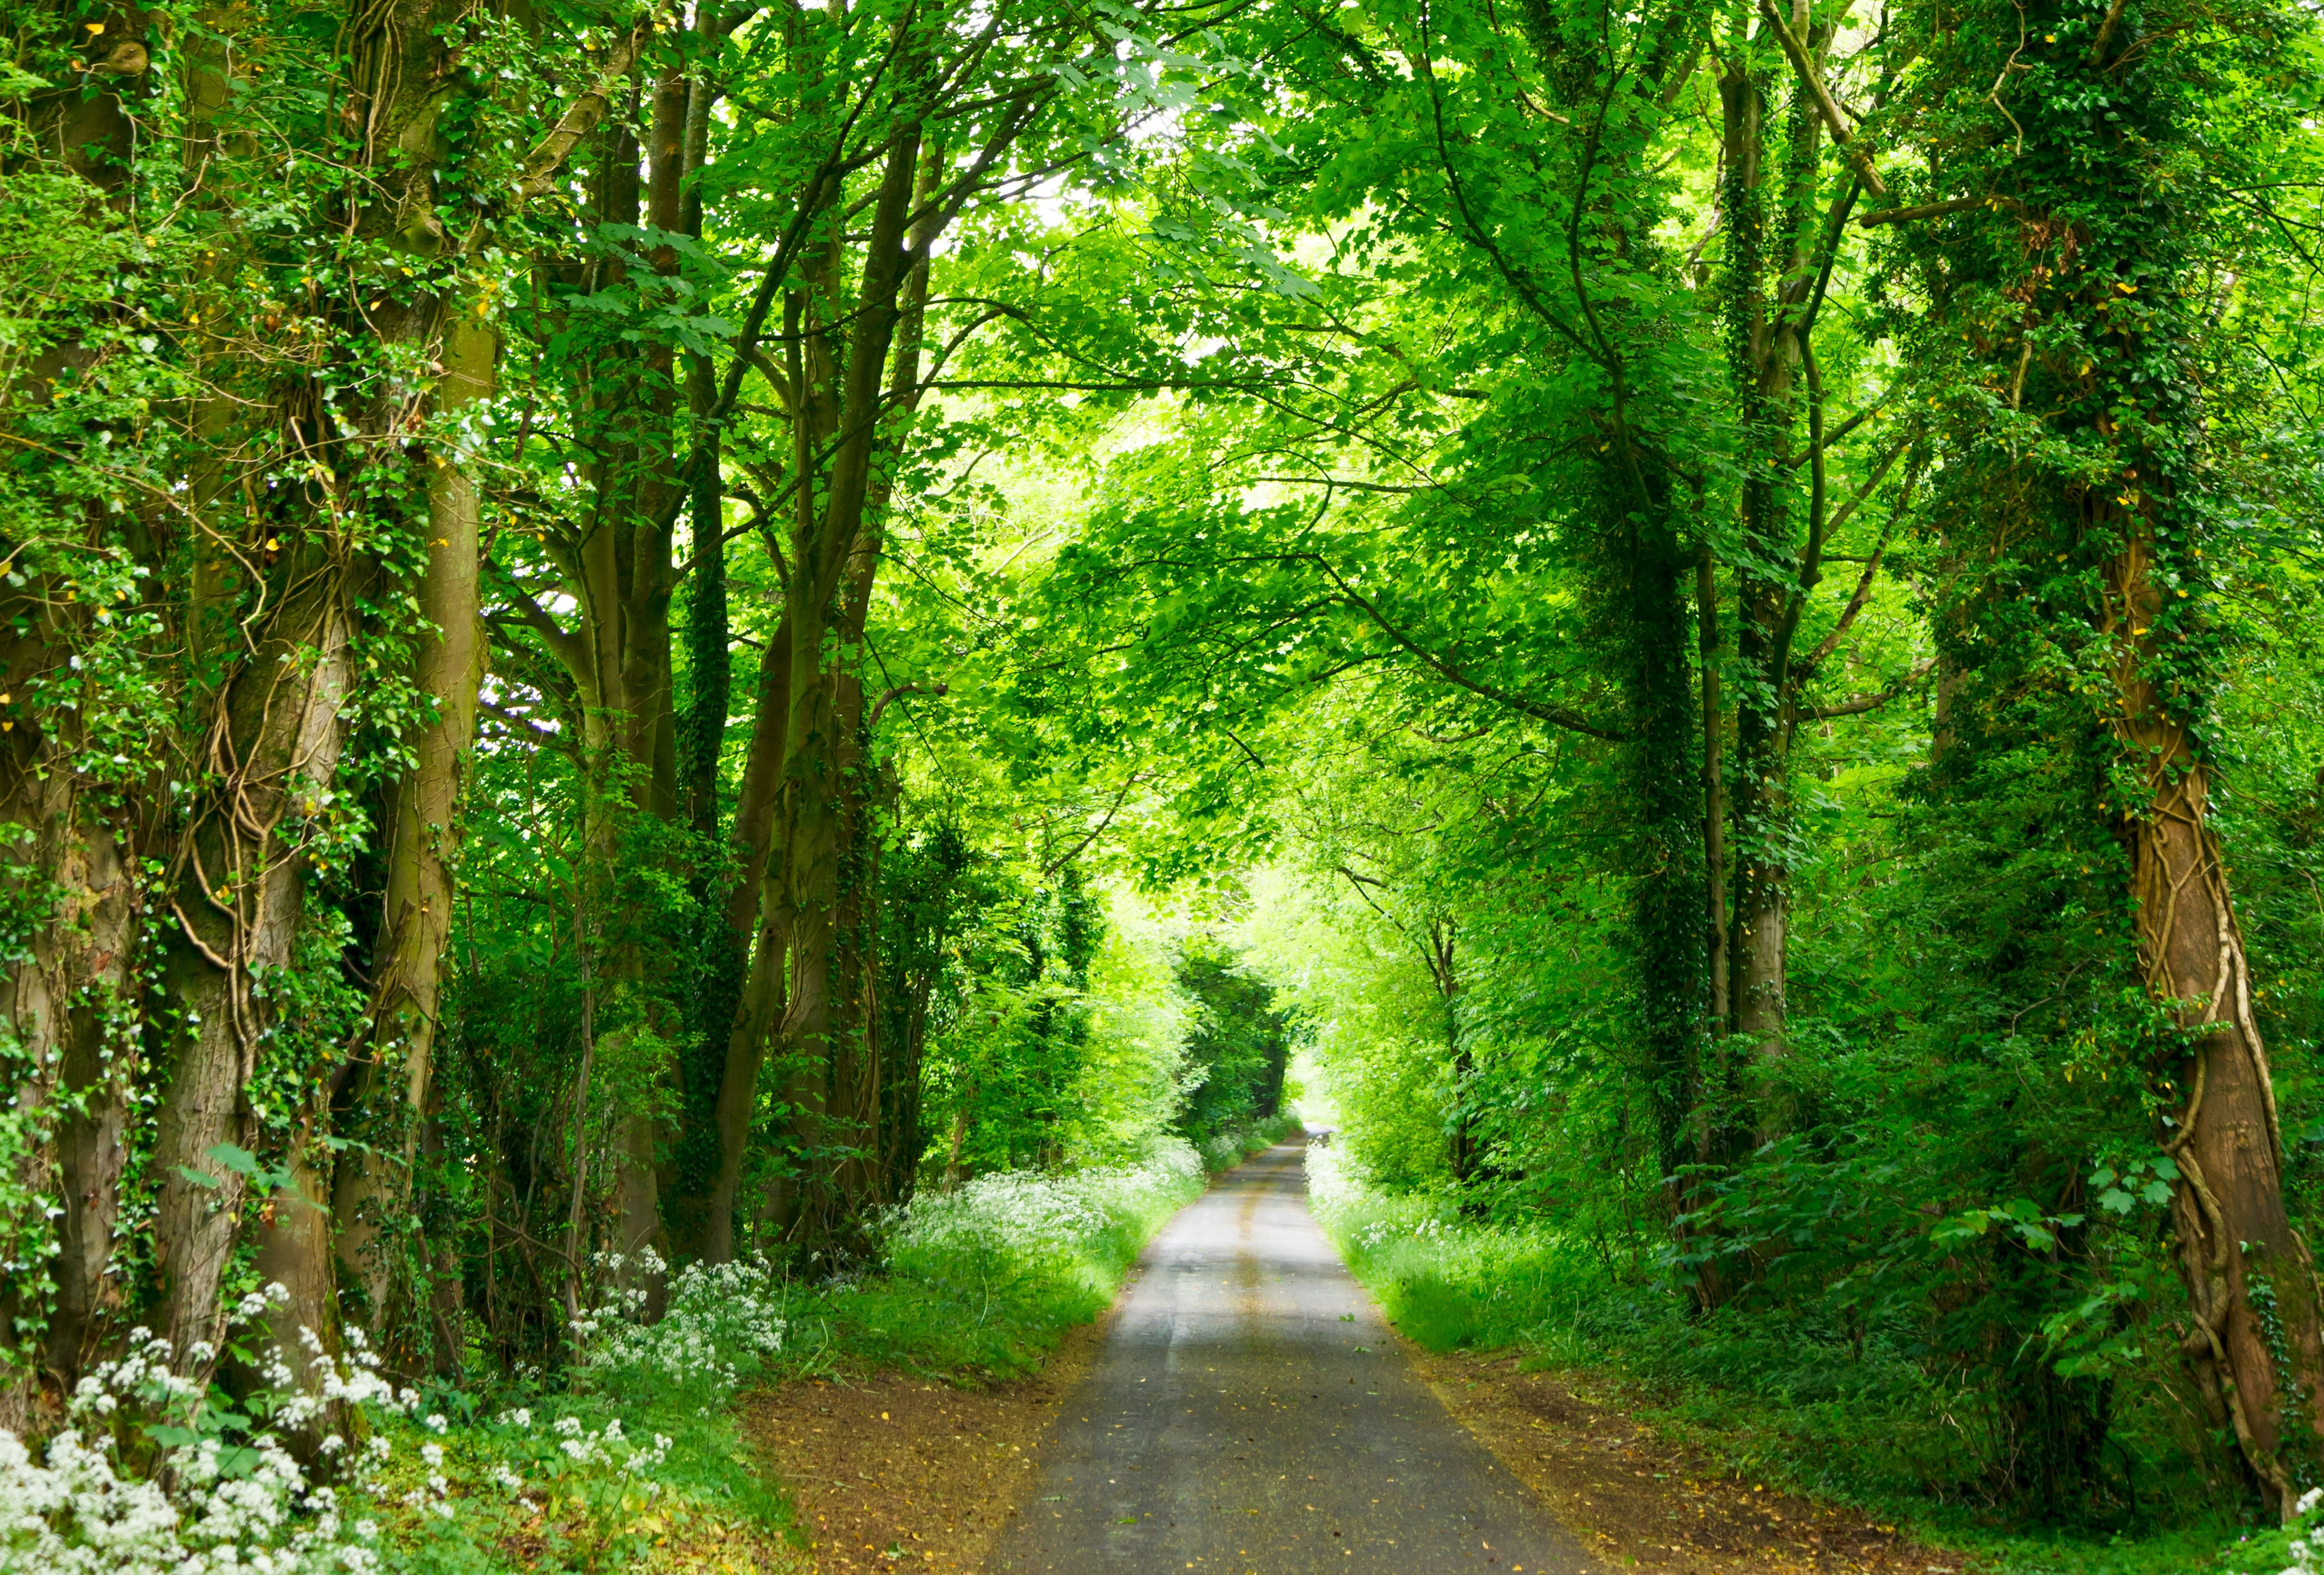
1666,886
63,1005
1714,785
1440,942
422,831
701,1187
1761,354
2106,267
2256,1345
826,709
68,997
617,565
236,895
759,1004
1768,281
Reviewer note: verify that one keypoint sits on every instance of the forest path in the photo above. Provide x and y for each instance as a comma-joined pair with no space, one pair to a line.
1250,1411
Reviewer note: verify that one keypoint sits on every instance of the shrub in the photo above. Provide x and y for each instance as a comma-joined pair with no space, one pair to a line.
156,1476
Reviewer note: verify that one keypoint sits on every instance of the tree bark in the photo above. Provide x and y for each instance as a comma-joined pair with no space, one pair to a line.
760,1003
1762,352
1770,281
235,894
1443,970
422,831
63,1004
1714,787
2256,1343
826,706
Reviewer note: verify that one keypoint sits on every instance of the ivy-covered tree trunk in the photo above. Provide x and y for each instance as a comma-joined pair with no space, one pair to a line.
2256,1342
235,894
62,1002
1765,294
422,827
2082,290
756,942
1667,878
75,922
697,1165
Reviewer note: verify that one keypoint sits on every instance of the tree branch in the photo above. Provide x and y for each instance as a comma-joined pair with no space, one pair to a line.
1556,715
547,155
1095,832
565,644
1855,151
1857,705
1920,211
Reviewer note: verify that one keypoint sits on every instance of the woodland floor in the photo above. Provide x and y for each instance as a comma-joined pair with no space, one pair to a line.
889,1473
886,1471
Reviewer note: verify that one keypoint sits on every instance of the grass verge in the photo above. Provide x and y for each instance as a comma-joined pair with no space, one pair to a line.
1856,1422
973,1286
633,1458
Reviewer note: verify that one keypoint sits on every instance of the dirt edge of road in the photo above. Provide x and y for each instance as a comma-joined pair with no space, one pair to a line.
889,1472
1640,1502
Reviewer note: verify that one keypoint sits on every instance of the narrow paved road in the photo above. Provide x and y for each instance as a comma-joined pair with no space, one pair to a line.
1250,1413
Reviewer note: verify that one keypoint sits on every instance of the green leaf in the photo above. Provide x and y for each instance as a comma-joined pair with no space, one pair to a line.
239,1160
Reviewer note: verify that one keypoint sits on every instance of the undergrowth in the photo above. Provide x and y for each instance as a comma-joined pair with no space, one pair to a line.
633,1458
1851,1415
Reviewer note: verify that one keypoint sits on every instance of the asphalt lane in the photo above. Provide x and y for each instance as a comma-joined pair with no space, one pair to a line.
1250,1411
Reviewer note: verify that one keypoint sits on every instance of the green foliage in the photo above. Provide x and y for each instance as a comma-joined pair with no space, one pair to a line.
1402,532
1238,1049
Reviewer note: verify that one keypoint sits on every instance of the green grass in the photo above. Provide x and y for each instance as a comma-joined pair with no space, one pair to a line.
981,1287
1775,1399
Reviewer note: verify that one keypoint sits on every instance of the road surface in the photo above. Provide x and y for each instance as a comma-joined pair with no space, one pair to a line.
1250,1411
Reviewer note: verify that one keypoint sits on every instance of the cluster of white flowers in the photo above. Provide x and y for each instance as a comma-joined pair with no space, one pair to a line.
1042,1211
2307,1554
1336,1185
1344,1203
1170,1174
622,1298
1407,1224
433,1497
203,1505
719,1323
606,1453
